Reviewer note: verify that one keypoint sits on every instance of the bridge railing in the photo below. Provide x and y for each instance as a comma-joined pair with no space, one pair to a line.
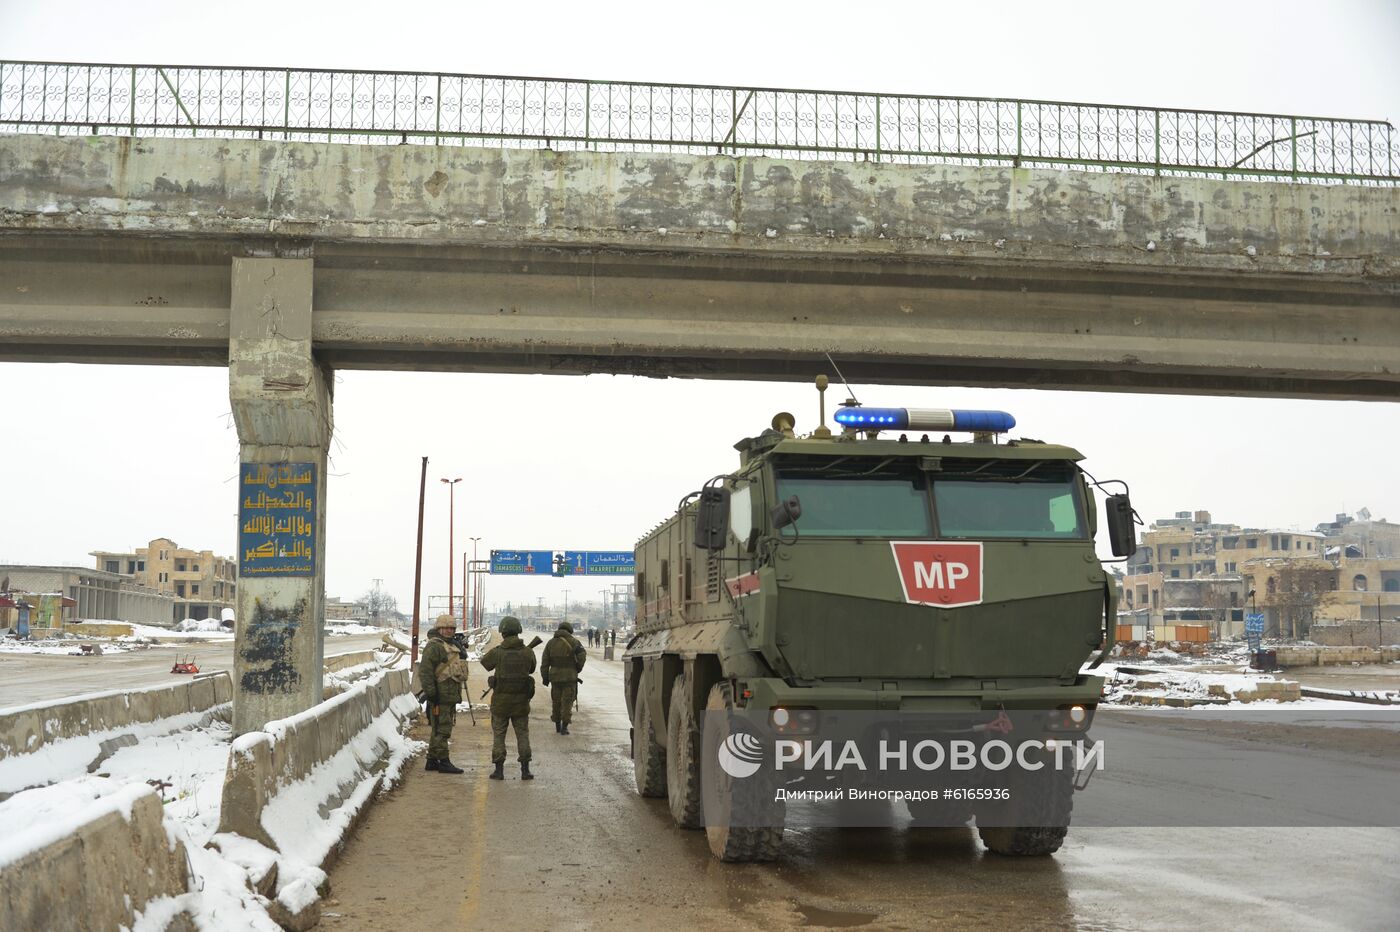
460,109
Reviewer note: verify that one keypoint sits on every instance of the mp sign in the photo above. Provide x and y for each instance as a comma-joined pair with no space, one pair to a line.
944,574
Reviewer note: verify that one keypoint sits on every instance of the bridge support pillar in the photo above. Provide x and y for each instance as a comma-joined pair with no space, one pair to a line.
281,399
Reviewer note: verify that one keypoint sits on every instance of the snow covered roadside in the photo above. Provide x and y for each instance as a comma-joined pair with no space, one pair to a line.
143,632
1193,690
59,646
287,812
235,883
338,628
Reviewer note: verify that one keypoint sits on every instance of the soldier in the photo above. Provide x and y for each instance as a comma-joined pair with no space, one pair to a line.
513,686
442,676
564,657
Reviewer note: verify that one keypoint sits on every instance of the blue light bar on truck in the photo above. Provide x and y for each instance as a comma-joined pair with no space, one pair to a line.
998,422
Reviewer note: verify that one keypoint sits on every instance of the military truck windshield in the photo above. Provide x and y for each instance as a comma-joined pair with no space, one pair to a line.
994,508
859,507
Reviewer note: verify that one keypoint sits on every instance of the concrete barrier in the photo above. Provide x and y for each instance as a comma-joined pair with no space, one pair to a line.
351,659
97,629
263,763
95,870
25,729
1329,656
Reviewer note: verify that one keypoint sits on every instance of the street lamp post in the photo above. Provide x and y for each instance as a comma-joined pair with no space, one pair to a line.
566,604
451,547
475,591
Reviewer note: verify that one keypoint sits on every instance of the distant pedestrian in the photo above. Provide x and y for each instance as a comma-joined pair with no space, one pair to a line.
512,686
442,676
564,657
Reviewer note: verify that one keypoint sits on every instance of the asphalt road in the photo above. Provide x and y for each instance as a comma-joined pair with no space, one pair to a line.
578,849
26,678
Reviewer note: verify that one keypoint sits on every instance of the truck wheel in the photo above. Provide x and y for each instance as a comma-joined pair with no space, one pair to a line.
648,757
751,799
1043,800
683,757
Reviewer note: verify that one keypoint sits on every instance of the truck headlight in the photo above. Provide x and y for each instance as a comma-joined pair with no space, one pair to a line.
791,720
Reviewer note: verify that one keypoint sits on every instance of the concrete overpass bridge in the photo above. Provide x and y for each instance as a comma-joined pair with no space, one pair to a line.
284,222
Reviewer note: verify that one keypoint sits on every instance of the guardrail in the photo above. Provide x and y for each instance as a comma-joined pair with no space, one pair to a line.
564,114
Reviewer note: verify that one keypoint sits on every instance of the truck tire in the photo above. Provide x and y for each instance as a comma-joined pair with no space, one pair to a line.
1043,801
648,757
683,758
753,798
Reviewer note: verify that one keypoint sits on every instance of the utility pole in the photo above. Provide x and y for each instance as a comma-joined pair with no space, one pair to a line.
374,609
475,591
418,562
566,604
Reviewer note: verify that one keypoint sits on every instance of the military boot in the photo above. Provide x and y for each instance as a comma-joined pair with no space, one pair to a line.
558,728
563,728
499,772
525,773
446,766
431,765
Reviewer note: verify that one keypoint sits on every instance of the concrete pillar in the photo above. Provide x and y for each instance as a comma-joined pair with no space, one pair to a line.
281,400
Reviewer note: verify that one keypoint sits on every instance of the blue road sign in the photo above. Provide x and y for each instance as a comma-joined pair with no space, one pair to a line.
1254,623
522,562
611,563
575,562
599,563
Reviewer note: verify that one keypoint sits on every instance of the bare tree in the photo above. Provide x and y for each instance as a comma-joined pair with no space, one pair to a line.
380,605
1216,598
1300,589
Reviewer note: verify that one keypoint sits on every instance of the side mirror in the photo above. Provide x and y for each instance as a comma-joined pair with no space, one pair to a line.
1122,536
786,512
712,519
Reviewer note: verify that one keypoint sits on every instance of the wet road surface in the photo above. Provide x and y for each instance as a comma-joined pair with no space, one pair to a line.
26,678
578,849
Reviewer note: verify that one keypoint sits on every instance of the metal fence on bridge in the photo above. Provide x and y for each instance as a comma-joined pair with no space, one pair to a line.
458,109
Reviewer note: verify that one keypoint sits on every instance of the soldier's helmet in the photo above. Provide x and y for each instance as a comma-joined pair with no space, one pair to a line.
509,625
565,626
446,621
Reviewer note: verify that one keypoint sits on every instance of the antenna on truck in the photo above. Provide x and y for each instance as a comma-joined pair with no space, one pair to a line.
843,380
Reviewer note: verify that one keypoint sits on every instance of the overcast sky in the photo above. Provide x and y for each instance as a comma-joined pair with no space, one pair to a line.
84,465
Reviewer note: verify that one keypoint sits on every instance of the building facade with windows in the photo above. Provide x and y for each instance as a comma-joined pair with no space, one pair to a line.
99,595
201,584
1191,569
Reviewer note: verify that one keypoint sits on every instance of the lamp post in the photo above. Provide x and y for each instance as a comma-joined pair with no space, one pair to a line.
566,604
475,591
451,548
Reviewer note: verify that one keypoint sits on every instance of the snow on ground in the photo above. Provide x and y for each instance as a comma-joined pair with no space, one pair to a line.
57,646
186,761
69,758
151,631
206,624
338,628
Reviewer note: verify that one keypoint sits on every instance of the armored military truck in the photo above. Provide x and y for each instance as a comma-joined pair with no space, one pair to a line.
884,565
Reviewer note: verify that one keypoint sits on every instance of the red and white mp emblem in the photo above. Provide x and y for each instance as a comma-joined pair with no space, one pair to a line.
944,574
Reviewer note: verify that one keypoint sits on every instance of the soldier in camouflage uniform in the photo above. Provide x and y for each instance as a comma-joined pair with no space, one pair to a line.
564,657
513,685
442,676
